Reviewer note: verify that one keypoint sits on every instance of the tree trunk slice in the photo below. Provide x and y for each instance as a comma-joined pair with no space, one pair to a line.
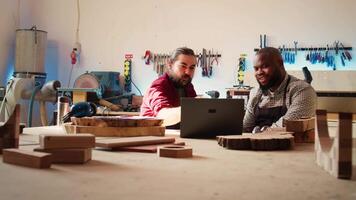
262,141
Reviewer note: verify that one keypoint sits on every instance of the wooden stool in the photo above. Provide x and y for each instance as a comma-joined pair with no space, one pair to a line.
334,154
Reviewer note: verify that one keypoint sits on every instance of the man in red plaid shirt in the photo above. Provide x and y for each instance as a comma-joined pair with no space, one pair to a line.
162,99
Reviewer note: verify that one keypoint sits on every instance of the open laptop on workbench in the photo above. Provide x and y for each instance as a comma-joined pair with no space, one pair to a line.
206,118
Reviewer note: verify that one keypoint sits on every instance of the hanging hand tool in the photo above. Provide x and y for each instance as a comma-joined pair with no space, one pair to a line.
210,68
215,58
336,47
205,64
346,53
308,56
342,60
199,60
264,41
295,47
147,57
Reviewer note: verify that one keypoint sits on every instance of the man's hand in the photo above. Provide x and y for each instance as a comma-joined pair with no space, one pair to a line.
170,116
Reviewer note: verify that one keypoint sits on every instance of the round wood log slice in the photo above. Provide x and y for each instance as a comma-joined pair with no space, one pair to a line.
261,141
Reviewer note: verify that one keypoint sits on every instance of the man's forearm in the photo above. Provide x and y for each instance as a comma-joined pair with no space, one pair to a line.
170,116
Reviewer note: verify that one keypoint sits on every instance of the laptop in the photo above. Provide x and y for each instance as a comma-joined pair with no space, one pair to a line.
206,118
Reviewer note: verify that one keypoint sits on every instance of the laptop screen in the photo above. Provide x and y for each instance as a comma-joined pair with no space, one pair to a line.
206,118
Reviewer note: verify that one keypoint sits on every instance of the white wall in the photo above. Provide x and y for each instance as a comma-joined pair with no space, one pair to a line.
8,16
13,15
111,28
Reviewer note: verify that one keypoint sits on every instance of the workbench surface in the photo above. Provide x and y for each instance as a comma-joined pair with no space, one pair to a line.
213,173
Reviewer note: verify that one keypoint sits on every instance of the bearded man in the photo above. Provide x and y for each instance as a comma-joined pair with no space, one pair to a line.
162,99
280,96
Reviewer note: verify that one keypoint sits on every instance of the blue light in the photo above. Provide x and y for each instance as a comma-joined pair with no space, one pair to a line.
9,73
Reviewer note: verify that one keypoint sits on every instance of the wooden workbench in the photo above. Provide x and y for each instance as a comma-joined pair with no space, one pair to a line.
213,173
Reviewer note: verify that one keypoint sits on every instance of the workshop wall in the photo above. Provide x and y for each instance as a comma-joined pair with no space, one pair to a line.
111,28
8,12
13,15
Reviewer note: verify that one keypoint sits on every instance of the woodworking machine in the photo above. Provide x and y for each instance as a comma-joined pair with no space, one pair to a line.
108,85
29,77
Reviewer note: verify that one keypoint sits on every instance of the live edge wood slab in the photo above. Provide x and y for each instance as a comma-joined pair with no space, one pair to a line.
116,131
117,121
116,126
261,141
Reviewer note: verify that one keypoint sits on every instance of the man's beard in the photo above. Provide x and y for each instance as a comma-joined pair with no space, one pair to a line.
181,82
275,79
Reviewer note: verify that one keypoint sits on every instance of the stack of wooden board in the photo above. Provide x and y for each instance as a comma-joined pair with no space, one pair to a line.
303,129
119,126
54,148
66,148
262,141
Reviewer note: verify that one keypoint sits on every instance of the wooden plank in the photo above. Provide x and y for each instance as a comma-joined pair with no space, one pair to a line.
145,148
116,121
334,154
68,156
65,141
133,141
262,141
27,158
117,131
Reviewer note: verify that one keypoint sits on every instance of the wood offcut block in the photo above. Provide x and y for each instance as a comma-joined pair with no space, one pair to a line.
65,141
68,156
305,137
175,151
27,158
261,141
10,131
300,125
334,155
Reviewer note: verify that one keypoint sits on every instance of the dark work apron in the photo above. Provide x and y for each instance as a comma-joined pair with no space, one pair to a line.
268,116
